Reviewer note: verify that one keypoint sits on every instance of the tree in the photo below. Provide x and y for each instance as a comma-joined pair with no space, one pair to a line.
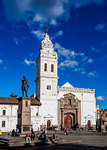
13,95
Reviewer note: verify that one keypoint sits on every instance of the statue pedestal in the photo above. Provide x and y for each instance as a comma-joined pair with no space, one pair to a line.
24,115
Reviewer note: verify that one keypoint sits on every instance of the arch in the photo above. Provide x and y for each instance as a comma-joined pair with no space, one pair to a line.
4,112
45,67
48,124
52,68
3,123
89,124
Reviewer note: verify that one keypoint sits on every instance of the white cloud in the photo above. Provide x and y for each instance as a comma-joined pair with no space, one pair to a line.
90,60
62,51
79,69
103,58
16,41
29,62
39,34
5,68
104,43
100,26
100,98
68,63
72,54
95,50
31,54
92,74
83,72
43,10
57,46
53,22
87,59
69,58
39,18
59,33
66,52
1,61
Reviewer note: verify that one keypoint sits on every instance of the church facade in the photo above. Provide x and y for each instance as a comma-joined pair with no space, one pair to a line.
49,93
60,107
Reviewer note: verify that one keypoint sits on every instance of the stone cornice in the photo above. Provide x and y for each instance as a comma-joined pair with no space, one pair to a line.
51,57
46,77
81,90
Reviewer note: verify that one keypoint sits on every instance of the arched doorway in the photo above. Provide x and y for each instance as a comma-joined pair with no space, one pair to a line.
67,122
48,124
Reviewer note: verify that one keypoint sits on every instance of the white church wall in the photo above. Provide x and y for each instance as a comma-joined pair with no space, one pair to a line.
48,111
88,103
10,117
35,117
48,93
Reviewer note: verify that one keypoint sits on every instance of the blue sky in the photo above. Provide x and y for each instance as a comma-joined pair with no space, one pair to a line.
78,30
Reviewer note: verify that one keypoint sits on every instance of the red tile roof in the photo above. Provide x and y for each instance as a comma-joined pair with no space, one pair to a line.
15,101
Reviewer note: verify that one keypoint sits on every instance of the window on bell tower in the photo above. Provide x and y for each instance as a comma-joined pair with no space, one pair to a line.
52,68
45,67
4,112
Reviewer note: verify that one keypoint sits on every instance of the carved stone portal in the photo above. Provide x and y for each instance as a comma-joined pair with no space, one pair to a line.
69,111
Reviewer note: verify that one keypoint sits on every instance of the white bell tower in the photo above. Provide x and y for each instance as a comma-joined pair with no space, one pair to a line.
46,82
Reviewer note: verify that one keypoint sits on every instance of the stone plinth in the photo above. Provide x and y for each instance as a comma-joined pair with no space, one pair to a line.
24,115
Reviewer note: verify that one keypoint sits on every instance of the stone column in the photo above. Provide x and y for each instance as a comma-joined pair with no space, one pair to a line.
24,115
76,115
61,118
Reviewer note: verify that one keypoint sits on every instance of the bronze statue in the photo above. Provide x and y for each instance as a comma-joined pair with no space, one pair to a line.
24,86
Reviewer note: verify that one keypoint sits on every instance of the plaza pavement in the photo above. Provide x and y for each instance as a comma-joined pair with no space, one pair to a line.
75,141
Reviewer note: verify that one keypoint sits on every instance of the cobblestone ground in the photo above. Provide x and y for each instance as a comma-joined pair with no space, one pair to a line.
73,142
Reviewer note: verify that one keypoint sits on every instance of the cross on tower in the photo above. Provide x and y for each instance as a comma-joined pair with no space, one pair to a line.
46,28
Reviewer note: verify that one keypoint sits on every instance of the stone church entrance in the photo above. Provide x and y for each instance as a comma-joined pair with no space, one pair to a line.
69,112
67,122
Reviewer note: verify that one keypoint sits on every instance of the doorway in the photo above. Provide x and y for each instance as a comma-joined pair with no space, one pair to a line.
67,122
89,124
48,124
